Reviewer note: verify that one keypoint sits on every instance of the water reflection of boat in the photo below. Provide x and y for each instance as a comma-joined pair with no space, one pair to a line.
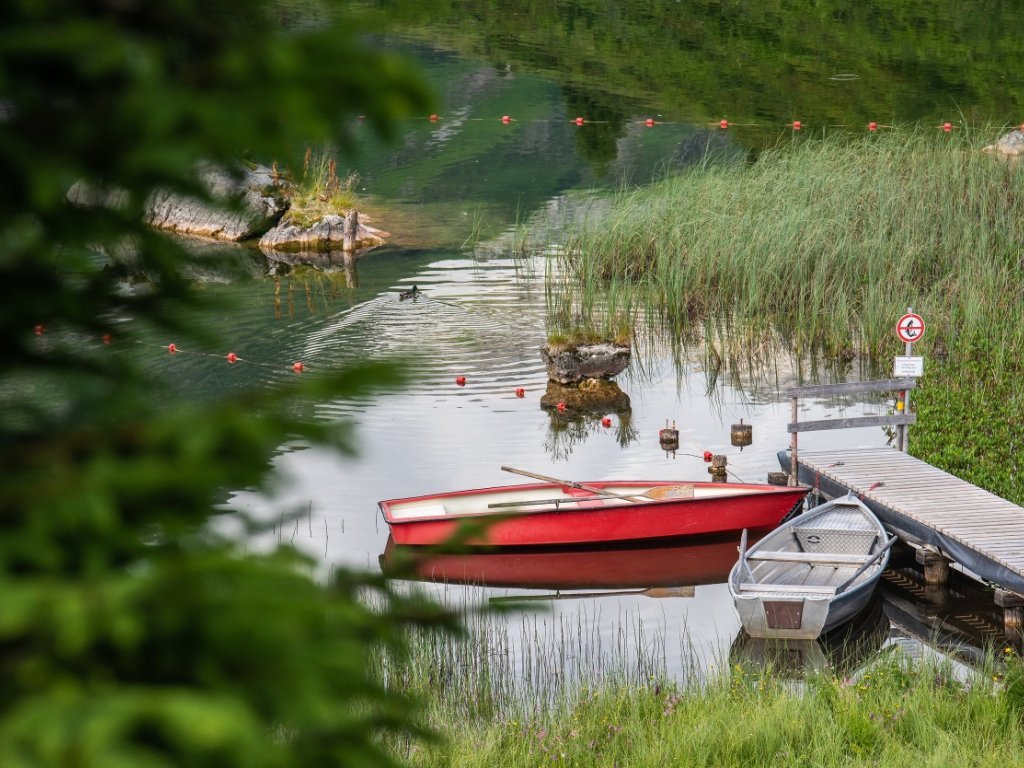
699,561
843,649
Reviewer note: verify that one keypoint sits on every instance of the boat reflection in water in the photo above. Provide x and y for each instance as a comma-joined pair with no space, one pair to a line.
842,650
644,569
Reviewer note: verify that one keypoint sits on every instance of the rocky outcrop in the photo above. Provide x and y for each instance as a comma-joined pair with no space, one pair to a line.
257,199
1010,145
331,233
568,364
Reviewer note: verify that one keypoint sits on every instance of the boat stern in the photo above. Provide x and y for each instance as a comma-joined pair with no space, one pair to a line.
793,618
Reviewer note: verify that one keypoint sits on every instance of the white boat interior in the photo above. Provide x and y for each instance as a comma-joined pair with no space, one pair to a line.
813,556
512,499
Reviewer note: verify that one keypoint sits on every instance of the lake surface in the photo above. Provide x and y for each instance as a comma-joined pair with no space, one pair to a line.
454,192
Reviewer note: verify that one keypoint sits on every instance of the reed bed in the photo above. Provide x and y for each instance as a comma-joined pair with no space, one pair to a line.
508,668
825,241
892,712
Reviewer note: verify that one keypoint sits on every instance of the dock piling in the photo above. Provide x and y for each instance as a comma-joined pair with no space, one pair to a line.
1013,613
936,567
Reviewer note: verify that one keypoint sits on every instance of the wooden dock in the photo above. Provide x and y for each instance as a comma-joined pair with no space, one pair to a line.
925,506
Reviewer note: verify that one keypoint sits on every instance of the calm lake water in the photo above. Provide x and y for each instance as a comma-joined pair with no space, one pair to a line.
452,193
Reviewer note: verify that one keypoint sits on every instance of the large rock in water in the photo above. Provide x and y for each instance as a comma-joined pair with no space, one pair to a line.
331,233
570,363
1010,145
260,193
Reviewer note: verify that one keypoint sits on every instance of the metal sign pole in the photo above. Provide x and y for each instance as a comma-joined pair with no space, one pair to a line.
904,428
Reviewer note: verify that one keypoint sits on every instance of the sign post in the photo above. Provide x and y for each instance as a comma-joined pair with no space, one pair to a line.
909,328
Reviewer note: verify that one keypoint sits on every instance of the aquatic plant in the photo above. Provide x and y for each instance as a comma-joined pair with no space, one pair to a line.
825,241
319,191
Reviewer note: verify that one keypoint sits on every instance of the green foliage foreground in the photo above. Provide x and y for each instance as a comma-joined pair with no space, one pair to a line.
130,633
828,240
891,714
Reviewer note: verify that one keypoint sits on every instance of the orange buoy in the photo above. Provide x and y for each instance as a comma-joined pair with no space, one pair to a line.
723,124
172,348
460,380
232,357
872,126
506,119
298,367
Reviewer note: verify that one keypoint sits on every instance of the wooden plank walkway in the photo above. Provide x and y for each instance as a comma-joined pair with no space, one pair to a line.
981,531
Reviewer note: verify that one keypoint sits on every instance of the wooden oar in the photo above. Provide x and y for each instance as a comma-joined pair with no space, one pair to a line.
656,494
874,559
686,591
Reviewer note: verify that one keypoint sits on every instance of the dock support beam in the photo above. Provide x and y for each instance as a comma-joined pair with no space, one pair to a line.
1013,613
936,567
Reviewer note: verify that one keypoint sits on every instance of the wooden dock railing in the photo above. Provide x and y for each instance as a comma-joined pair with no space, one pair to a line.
901,419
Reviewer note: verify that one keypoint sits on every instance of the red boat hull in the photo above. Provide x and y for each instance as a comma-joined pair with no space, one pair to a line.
742,506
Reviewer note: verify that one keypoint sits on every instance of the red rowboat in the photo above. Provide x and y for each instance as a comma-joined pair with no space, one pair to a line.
562,512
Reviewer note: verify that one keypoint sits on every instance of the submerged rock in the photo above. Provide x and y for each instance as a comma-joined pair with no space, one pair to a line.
571,363
1010,145
331,233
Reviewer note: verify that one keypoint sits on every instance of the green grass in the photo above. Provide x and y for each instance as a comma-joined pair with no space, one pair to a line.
894,713
319,192
532,696
824,241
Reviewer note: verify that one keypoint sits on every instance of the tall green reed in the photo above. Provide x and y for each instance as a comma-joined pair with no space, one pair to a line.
823,241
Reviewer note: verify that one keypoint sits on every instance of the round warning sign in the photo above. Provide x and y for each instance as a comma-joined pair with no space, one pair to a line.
910,328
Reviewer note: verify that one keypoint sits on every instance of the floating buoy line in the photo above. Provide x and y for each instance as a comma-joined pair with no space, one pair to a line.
724,124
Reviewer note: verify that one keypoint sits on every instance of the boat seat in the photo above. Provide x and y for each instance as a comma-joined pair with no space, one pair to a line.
835,540
424,510
812,558
787,589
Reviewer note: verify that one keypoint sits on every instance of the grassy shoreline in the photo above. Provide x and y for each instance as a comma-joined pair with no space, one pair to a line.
889,711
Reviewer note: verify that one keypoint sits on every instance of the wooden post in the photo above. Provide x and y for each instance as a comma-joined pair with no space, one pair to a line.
795,411
1013,612
936,567
719,468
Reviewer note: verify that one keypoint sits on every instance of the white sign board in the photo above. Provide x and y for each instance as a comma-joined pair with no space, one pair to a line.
908,366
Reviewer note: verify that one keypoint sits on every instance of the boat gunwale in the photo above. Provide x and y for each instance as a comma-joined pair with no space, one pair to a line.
617,504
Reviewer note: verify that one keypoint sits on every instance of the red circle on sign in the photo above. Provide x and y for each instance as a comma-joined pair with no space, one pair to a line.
910,328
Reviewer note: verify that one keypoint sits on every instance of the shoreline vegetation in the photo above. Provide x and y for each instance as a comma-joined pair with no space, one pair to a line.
568,701
827,240
816,248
